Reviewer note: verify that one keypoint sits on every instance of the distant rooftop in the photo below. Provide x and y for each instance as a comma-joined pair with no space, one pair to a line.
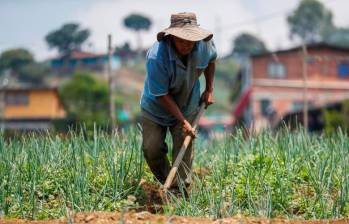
28,88
82,54
319,45
76,54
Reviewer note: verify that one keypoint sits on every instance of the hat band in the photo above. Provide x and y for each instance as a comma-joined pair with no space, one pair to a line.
184,22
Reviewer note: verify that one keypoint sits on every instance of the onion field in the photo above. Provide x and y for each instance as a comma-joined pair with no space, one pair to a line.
287,174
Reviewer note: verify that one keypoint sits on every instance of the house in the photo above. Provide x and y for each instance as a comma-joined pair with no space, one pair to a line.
29,108
275,82
82,60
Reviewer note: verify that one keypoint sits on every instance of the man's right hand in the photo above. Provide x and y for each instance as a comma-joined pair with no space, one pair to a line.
169,104
188,129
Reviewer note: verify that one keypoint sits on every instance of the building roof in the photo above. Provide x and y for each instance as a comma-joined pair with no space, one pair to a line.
28,88
76,54
82,54
320,45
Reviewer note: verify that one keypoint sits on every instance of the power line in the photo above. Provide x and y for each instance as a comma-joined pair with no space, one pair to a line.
256,19
263,18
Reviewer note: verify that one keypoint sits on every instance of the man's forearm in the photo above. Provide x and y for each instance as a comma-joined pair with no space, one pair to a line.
169,104
209,75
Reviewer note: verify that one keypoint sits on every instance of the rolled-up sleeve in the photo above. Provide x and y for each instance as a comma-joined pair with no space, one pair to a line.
158,78
207,54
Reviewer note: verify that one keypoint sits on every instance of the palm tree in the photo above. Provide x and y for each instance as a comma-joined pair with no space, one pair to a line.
137,23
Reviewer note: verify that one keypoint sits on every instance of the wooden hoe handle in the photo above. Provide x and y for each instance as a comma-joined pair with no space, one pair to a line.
184,147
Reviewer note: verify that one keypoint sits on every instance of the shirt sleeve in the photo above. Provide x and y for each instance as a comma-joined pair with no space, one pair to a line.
158,78
207,54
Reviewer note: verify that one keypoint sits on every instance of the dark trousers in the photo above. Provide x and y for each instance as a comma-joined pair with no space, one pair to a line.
155,150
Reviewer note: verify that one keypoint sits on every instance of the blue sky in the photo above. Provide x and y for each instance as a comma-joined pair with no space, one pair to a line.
24,23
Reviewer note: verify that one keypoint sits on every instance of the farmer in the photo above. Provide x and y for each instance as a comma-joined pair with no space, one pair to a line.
171,95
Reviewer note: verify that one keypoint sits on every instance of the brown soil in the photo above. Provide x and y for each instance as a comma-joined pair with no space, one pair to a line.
147,217
153,200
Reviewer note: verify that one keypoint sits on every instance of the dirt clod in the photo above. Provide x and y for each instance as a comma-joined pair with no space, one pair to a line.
142,215
89,218
152,201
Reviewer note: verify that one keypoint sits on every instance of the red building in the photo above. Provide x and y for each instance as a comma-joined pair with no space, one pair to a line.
276,81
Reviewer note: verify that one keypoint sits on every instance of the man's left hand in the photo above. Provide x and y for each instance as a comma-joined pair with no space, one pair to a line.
207,97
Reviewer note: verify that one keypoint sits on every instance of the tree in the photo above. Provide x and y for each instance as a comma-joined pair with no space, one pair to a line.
338,36
310,21
125,52
67,38
86,100
15,58
137,23
22,65
33,73
247,44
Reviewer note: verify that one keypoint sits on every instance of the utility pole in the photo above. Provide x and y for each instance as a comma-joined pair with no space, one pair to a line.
2,107
305,85
111,84
3,84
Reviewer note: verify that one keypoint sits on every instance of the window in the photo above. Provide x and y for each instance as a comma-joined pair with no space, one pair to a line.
343,69
276,70
265,104
18,98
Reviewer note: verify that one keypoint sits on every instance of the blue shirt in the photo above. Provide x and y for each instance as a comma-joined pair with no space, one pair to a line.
166,74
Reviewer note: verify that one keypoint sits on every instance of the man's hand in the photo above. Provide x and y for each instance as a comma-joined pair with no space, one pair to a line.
168,103
188,129
207,97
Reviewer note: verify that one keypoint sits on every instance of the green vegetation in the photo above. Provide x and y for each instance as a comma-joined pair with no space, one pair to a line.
247,44
85,98
312,22
309,21
15,58
22,65
33,73
334,119
137,23
289,174
67,38
41,177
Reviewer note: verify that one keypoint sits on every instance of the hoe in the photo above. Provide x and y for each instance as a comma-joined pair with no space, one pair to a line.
181,153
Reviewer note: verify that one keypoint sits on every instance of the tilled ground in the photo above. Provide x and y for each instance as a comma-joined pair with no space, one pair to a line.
147,217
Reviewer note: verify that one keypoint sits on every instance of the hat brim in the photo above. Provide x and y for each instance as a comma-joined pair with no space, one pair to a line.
191,33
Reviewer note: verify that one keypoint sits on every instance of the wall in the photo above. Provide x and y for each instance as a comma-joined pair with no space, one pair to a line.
324,84
42,104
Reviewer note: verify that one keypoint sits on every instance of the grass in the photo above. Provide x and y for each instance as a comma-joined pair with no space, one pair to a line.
287,174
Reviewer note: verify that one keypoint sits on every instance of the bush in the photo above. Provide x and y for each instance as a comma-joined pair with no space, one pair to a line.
337,119
86,99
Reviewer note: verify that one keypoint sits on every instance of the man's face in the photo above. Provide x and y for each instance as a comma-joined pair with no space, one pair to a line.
183,47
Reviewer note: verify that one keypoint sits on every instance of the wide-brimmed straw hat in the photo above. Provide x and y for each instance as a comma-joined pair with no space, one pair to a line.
184,25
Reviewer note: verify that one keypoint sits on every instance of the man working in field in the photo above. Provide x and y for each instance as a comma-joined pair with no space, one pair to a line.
171,95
